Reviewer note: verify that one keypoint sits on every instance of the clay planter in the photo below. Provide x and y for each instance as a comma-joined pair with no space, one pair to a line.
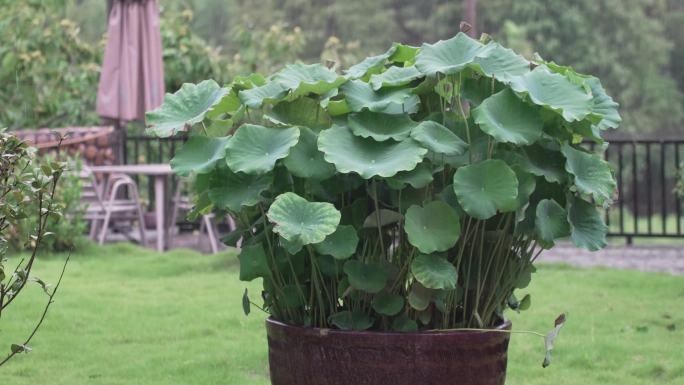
310,356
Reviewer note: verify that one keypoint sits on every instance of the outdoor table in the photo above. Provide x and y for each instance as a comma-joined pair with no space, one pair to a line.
160,172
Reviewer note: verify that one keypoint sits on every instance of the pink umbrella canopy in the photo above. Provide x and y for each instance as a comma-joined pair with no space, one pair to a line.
132,77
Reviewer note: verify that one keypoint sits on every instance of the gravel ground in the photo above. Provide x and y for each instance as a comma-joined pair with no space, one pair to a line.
667,259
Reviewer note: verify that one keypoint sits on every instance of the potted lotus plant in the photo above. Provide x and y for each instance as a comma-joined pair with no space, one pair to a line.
392,210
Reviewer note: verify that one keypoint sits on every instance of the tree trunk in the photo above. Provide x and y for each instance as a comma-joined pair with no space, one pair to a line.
471,16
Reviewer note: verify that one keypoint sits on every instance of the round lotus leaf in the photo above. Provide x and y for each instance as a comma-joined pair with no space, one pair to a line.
388,304
588,229
394,77
256,97
381,127
383,216
341,244
187,106
501,63
419,297
554,91
199,154
360,96
348,320
371,64
368,277
448,56
484,188
229,190
539,161
300,112
303,79
367,157
434,272
551,221
305,160
438,139
297,219
403,53
593,175
433,227
419,177
508,119
255,149
404,324
253,263
603,105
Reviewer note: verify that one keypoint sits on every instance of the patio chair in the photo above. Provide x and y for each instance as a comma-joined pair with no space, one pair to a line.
111,202
181,203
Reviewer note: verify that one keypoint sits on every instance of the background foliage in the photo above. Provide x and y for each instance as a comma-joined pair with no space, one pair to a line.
635,46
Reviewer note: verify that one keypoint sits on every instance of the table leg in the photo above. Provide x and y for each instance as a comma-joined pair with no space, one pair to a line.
159,207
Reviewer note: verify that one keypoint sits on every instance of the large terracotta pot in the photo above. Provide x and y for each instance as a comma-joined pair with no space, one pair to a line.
310,356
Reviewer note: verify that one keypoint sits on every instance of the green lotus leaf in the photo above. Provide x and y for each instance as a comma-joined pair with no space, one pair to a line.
419,297
256,97
526,186
360,95
338,107
554,91
448,56
371,64
351,320
501,63
292,247
484,188
508,119
593,175
300,112
199,154
305,160
394,77
419,177
297,219
187,106
380,126
386,217
403,53
304,79
587,227
341,244
255,149
367,157
438,139
434,272
603,105
253,263
290,296
229,190
404,324
551,221
433,227
539,161
367,277
388,304
229,104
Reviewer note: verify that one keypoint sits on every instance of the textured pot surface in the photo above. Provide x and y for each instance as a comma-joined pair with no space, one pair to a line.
309,356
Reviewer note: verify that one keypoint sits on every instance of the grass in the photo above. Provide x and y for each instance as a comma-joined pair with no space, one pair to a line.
130,316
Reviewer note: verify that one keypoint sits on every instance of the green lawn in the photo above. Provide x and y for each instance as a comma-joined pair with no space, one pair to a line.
131,316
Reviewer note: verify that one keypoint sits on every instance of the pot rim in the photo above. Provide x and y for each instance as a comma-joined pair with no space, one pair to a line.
506,325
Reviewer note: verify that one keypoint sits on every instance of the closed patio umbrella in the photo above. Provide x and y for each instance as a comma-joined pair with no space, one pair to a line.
132,77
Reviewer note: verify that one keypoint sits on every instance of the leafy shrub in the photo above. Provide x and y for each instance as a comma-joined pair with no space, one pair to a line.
25,190
49,75
414,192
65,233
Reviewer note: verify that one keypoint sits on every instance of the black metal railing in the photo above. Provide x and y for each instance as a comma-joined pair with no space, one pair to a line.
646,171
